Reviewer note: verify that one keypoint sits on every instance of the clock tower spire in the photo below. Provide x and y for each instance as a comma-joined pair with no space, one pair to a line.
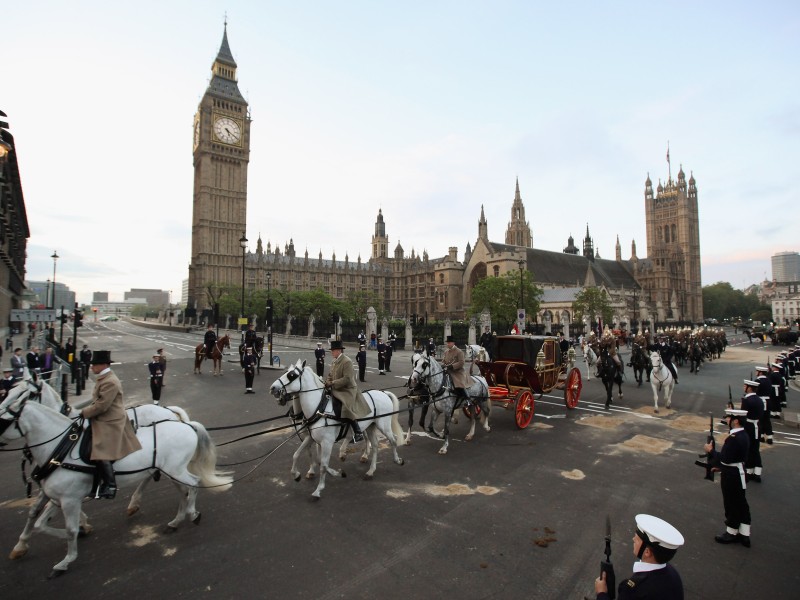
221,153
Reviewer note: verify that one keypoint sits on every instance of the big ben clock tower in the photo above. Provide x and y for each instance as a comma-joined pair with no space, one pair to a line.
221,150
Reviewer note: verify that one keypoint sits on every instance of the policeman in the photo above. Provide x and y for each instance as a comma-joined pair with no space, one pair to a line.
210,339
754,409
654,544
249,362
156,377
764,391
85,357
486,341
381,356
730,462
319,354
361,360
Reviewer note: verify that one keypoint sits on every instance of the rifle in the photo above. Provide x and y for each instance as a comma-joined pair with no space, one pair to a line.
707,455
606,566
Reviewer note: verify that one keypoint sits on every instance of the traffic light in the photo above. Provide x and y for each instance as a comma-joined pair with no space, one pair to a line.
63,318
78,319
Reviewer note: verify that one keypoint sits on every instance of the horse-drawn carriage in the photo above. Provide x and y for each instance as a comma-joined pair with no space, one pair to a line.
527,366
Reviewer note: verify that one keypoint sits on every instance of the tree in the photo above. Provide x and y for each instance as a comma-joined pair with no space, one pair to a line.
721,301
592,302
357,302
501,295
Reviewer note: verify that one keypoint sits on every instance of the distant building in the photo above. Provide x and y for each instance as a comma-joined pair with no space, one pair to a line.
99,297
46,297
153,298
786,267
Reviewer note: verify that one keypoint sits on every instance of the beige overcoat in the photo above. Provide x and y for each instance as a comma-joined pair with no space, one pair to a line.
454,357
342,382
112,433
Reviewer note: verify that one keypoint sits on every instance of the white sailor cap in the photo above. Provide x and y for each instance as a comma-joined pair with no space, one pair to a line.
762,369
751,383
735,412
776,365
662,538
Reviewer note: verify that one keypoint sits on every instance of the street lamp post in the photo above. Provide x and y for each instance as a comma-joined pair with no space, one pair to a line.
243,244
269,315
521,293
54,256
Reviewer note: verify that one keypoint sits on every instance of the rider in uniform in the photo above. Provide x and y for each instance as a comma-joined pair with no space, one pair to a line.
609,342
754,407
341,383
112,434
250,336
453,363
210,340
664,348
319,354
730,461
654,545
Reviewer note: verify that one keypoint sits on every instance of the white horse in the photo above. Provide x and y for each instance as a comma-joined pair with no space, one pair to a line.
183,451
661,378
590,358
475,352
323,426
140,416
427,371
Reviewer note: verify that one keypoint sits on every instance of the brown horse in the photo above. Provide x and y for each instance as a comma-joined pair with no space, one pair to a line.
216,354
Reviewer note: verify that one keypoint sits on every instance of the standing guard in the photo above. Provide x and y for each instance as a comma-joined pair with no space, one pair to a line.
764,391
388,356
381,356
210,339
777,377
730,462
319,354
361,360
754,409
156,378
249,363
85,357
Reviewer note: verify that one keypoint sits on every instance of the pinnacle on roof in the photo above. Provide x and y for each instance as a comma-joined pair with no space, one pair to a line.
224,55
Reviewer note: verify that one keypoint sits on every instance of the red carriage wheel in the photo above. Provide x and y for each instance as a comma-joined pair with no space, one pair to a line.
572,391
523,412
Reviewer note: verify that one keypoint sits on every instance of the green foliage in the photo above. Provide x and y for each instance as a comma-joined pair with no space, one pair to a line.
356,304
501,295
592,302
763,314
139,310
721,301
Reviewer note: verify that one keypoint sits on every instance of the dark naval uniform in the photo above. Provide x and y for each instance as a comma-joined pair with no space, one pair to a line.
754,406
777,378
765,392
381,357
250,337
249,362
731,460
659,584
319,354
361,360
156,378
388,357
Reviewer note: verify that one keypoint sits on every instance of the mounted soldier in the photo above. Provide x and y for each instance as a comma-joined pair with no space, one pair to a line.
210,339
250,336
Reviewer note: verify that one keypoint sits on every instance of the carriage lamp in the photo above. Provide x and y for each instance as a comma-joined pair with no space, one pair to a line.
540,361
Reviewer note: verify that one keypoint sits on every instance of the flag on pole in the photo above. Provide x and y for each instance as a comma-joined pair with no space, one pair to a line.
667,153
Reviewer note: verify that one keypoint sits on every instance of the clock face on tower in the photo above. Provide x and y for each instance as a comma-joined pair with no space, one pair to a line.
227,130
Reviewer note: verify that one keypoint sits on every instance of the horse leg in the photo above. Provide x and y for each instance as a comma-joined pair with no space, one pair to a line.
668,393
42,502
134,504
372,437
655,397
71,509
486,408
446,432
303,445
326,446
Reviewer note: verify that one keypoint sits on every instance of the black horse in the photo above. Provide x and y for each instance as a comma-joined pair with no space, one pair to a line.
640,362
695,357
610,373
258,350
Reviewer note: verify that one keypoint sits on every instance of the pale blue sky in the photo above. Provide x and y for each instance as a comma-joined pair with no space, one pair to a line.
427,110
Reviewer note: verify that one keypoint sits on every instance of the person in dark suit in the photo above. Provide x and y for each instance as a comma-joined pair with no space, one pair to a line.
33,361
381,357
387,357
6,382
654,544
249,363
361,360
156,378
319,354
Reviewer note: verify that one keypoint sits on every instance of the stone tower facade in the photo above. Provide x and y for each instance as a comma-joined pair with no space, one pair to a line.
221,152
672,279
519,230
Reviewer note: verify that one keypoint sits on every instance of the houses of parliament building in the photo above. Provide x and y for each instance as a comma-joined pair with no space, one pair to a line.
664,287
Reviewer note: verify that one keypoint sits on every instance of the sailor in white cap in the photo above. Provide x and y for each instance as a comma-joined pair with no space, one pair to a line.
730,462
765,392
754,406
654,544
319,355
777,378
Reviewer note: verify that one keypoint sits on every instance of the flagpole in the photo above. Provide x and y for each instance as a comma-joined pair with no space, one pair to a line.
669,164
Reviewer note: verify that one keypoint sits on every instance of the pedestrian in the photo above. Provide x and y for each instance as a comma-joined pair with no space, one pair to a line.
753,405
372,343
33,361
69,350
6,382
156,378
85,356
486,341
342,385
655,542
249,363
453,363
112,433
387,356
381,356
18,364
47,363
162,358
730,462
9,342
361,360
319,354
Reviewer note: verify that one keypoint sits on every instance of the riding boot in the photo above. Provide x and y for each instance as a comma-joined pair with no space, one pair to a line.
357,435
108,485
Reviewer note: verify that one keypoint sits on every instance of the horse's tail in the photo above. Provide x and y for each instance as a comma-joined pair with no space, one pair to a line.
397,430
204,462
182,416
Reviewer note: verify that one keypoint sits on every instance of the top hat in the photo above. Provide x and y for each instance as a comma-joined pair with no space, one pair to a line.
101,357
450,339
337,345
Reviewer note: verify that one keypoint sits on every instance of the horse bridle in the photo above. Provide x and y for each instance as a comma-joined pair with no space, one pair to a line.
291,375
5,423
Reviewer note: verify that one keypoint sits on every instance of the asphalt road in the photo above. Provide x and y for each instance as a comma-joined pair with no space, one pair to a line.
512,514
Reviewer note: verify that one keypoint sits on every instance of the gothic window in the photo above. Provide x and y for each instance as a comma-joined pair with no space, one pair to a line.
674,236
441,277
666,234
496,270
660,237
